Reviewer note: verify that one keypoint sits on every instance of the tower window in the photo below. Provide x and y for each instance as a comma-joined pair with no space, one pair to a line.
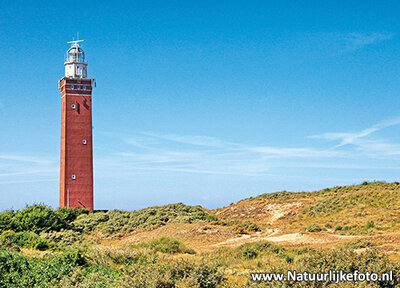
72,87
73,177
73,106
84,87
84,141
79,87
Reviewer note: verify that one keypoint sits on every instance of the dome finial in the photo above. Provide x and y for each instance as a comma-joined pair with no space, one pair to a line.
75,42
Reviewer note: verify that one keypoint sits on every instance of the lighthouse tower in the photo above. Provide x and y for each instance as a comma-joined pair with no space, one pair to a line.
76,165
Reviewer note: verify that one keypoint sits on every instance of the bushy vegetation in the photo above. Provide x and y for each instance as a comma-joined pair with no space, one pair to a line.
282,195
26,240
41,227
39,218
368,194
17,270
253,250
243,227
118,223
31,227
63,237
314,228
166,245
72,269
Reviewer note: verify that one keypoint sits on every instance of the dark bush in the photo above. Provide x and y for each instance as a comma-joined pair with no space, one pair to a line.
41,245
6,220
37,218
314,228
288,259
370,224
249,253
338,227
67,215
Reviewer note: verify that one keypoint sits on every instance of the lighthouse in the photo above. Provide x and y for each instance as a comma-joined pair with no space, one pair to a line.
76,164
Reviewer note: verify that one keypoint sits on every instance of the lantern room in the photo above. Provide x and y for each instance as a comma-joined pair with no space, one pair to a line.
75,65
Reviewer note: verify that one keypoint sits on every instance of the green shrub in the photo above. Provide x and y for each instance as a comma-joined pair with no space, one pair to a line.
68,215
6,220
26,240
314,228
370,224
42,244
212,218
166,245
282,195
74,257
63,237
87,223
244,227
249,253
17,270
338,228
289,259
37,218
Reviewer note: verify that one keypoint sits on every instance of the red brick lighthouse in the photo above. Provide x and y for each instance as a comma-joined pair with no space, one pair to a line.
76,169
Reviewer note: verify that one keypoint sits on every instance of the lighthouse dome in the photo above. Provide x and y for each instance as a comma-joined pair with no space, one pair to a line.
75,65
75,54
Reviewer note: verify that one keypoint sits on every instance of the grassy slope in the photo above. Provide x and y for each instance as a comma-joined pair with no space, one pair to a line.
348,206
360,215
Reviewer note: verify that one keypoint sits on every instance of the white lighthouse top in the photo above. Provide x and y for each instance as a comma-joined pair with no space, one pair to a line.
75,65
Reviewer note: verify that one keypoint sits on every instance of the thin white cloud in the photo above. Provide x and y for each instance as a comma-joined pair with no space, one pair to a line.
28,181
190,139
24,158
344,42
379,147
355,41
294,152
210,155
15,168
27,172
359,139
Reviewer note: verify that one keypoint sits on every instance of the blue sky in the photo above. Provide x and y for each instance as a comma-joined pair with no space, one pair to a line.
203,102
